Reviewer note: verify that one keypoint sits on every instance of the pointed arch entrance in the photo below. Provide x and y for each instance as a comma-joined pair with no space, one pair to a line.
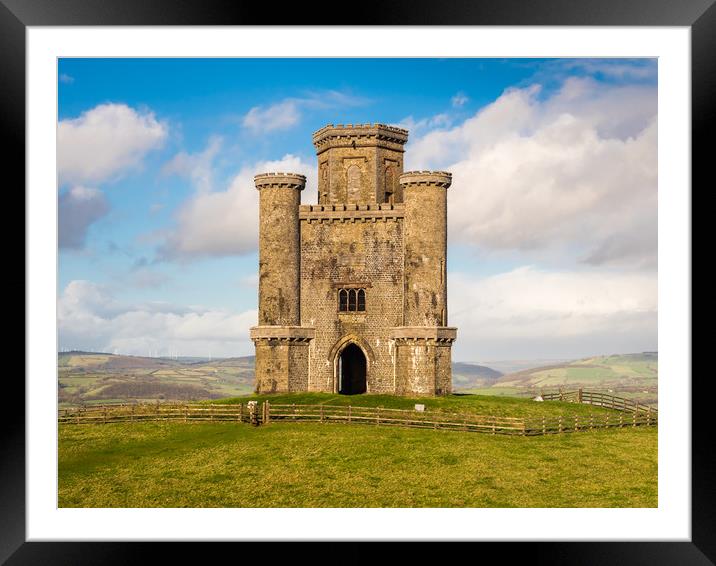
352,358
352,371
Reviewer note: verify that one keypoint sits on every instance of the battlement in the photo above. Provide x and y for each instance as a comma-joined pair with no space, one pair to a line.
371,212
280,180
359,135
306,208
426,178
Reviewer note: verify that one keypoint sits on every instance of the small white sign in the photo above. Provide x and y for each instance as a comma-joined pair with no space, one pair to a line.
420,408
538,398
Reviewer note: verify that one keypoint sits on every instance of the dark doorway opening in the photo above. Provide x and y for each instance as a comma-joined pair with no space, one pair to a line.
351,371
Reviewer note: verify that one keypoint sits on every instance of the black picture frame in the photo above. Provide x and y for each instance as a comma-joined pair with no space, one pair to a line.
17,15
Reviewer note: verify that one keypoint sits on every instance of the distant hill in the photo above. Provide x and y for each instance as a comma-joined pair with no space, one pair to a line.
99,376
93,361
95,377
467,376
619,371
89,377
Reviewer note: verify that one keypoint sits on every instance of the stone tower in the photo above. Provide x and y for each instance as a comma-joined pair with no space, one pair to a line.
353,290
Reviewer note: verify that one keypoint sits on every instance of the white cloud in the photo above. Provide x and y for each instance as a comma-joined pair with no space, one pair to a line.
417,127
288,112
77,209
66,79
196,166
90,318
527,313
222,223
104,142
459,100
576,170
278,116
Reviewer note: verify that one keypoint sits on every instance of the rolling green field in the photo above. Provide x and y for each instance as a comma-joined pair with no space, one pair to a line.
163,464
90,378
634,376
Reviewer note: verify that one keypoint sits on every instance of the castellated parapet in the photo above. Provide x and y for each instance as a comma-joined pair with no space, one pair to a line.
353,289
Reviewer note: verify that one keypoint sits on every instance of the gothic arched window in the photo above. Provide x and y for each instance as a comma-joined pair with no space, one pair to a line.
343,300
351,300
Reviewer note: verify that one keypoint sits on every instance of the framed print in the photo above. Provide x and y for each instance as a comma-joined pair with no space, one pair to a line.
205,107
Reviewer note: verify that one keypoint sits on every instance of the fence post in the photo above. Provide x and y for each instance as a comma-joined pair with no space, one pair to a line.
252,412
560,424
579,395
349,413
293,409
633,419
591,421
648,416
576,423
268,412
621,420
544,426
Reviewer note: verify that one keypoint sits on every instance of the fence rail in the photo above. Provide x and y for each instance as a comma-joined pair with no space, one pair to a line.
599,399
160,411
627,414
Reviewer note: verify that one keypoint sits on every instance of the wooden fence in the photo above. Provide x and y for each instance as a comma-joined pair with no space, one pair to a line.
600,399
627,414
395,417
185,412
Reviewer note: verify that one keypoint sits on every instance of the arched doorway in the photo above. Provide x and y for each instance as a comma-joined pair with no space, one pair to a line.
351,371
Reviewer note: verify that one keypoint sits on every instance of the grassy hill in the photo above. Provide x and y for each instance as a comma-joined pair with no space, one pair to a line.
85,377
619,372
467,375
164,464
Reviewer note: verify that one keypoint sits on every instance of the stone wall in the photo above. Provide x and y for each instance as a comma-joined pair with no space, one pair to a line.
352,248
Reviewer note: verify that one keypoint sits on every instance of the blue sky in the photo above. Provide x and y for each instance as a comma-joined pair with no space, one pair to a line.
552,213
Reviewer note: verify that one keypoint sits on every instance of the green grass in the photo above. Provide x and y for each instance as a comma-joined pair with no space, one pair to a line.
163,464
501,406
